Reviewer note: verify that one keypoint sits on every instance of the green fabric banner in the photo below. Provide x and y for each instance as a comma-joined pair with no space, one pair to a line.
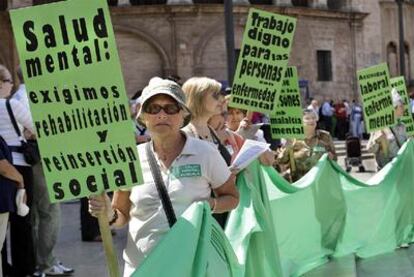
77,97
374,84
326,213
264,56
283,229
195,246
399,84
287,121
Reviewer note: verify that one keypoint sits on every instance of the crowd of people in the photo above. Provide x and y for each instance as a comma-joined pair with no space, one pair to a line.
187,137
341,118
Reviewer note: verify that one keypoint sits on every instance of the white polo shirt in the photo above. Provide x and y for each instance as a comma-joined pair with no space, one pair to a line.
197,169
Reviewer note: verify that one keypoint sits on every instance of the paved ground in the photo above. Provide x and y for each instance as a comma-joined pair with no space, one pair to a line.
88,258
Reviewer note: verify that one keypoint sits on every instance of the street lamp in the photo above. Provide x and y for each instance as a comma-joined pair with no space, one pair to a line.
401,36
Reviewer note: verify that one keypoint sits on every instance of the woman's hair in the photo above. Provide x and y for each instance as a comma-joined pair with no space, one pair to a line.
4,73
195,90
229,109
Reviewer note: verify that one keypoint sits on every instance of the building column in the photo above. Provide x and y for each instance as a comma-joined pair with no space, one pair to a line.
179,2
323,4
282,2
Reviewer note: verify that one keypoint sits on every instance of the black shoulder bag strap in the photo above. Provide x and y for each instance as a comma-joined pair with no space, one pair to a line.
159,183
16,128
13,119
222,149
396,138
140,130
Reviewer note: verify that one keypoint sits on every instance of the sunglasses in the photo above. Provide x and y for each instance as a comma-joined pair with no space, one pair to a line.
168,109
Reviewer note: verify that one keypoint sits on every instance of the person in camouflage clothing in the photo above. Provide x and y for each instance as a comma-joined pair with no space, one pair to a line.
297,157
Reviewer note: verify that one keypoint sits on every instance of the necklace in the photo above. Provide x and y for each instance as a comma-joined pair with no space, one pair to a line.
196,131
205,137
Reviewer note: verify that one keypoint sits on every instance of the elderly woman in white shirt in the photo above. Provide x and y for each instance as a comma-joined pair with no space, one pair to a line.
190,168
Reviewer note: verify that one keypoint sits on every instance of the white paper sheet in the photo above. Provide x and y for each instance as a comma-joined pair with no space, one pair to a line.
250,150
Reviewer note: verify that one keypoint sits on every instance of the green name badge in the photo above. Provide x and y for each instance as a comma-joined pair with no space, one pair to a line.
319,149
188,170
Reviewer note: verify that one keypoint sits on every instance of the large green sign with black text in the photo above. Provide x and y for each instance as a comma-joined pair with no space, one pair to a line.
399,84
263,59
375,88
287,121
77,97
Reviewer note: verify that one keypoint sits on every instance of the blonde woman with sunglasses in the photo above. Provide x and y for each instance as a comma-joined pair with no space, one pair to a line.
204,100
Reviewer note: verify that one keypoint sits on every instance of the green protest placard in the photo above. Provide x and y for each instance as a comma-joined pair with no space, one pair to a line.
77,98
263,59
374,84
399,84
287,121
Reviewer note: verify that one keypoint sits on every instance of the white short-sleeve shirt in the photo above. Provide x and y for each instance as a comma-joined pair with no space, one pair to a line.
197,169
24,120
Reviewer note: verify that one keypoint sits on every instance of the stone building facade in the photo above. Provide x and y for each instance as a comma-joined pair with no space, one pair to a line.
334,38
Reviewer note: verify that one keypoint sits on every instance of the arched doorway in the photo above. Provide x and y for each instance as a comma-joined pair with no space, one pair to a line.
392,59
213,61
140,61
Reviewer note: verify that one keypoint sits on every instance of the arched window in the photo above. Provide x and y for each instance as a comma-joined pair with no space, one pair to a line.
392,59
407,61
300,3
